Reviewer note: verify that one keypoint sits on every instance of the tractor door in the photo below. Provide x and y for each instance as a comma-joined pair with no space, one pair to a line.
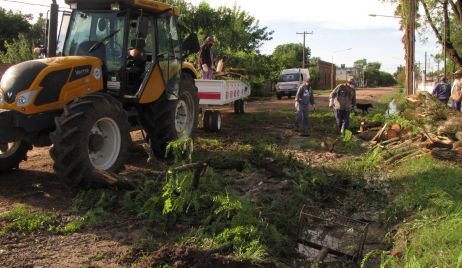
169,53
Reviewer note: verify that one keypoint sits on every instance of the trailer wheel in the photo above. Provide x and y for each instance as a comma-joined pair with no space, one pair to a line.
13,153
215,121
236,106
91,134
241,106
207,120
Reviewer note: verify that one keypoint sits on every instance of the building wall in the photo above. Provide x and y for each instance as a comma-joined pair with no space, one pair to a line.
325,74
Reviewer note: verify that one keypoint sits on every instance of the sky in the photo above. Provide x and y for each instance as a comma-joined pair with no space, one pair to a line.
342,30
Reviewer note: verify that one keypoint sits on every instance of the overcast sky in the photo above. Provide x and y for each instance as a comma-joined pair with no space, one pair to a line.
337,25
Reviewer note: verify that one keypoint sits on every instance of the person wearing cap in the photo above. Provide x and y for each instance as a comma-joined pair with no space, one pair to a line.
303,99
206,58
456,90
442,90
343,100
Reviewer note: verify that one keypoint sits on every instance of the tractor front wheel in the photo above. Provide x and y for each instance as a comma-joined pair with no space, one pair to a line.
91,135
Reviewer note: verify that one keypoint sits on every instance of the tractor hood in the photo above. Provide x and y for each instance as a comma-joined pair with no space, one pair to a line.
46,79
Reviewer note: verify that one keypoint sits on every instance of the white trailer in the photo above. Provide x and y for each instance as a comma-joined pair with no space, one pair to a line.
217,93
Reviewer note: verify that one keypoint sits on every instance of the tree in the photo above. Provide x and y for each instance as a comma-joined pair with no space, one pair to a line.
11,25
400,75
38,31
290,55
444,17
234,29
17,51
361,64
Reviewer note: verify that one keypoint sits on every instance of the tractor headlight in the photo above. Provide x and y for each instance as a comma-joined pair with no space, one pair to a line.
26,98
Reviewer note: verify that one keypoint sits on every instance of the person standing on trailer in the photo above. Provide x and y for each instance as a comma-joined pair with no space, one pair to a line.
206,58
303,99
343,100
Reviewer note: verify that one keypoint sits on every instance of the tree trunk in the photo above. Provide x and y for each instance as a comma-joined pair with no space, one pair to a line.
453,54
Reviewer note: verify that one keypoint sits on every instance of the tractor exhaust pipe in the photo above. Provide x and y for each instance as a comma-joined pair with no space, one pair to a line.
52,29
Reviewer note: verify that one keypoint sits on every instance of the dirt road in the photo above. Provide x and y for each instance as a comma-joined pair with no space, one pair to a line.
36,185
363,95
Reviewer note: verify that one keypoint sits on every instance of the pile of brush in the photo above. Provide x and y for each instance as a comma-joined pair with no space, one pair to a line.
432,129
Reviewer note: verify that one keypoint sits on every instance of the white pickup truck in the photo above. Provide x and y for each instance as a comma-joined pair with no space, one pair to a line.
220,92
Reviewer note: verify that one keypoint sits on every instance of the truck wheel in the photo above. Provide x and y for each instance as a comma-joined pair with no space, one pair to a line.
279,96
13,153
93,133
167,120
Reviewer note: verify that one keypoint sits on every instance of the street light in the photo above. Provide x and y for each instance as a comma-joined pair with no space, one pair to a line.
386,16
332,65
410,45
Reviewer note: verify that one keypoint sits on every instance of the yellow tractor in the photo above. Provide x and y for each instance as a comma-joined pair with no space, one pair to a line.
119,68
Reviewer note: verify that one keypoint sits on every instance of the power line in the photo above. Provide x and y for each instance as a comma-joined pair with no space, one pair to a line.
31,4
25,3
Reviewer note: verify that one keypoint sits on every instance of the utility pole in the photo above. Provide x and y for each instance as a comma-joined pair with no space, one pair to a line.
444,45
304,57
425,71
410,48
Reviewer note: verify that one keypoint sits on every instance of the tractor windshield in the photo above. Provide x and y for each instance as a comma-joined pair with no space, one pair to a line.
99,34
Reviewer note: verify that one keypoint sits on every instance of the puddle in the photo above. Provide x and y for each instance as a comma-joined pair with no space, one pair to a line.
392,108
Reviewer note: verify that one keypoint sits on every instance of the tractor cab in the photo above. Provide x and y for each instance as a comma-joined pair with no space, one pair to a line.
132,39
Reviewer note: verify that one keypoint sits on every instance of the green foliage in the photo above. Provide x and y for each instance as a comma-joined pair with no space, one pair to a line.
23,219
12,25
361,64
400,76
431,190
290,55
315,76
179,193
17,51
233,28
95,205
181,149
346,135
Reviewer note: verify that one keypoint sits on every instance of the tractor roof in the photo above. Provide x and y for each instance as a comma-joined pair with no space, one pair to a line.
149,5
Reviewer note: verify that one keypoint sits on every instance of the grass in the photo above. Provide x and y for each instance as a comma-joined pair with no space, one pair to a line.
428,196
22,219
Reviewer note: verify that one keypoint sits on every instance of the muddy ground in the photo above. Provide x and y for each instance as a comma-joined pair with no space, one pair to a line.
37,186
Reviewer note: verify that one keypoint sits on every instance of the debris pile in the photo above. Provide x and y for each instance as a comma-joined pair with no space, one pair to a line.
428,127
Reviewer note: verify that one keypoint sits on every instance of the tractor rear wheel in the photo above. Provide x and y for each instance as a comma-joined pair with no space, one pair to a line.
13,153
91,135
167,120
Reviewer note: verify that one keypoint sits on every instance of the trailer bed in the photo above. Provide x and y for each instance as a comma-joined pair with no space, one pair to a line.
221,92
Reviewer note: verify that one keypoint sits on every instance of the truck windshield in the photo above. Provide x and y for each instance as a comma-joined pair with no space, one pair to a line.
98,32
289,77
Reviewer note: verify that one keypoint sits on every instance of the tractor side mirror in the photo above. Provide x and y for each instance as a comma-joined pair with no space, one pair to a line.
190,45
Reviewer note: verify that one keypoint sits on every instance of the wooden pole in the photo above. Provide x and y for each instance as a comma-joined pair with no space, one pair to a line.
304,56
410,48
